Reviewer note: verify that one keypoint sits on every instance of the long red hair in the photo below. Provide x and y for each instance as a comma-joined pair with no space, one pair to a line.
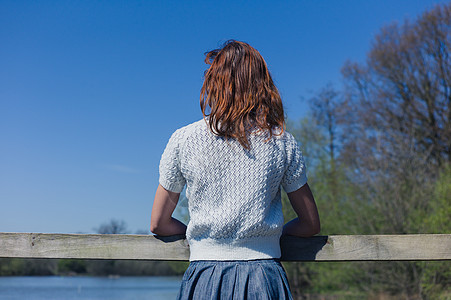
240,93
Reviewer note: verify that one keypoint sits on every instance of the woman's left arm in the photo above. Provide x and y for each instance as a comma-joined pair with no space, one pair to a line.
161,220
307,223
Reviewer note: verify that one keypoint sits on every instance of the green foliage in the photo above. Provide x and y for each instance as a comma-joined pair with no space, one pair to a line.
11,266
437,280
178,267
438,219
29,267
71,266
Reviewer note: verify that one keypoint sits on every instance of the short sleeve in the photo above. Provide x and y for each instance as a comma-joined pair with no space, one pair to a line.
171,177
295,173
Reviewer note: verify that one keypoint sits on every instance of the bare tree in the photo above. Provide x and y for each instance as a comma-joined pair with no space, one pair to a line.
113,227
404,89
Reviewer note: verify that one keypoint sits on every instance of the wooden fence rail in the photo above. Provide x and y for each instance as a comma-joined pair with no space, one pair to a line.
146,247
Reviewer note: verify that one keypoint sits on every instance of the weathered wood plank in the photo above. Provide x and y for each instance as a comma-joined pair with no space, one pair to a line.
367,247
92,246
145,247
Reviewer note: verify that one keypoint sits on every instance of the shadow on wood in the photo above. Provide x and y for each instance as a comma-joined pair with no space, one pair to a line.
171,238
301,249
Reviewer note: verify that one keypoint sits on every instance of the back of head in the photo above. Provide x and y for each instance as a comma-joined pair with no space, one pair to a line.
240,93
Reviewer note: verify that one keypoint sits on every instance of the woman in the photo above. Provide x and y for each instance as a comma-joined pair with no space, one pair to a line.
233,163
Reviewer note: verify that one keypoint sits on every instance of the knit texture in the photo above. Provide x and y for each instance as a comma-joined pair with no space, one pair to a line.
234,194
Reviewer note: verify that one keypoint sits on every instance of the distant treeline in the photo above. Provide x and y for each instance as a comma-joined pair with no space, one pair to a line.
71,267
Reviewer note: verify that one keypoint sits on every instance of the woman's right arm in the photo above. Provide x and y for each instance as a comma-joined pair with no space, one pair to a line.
161,220
307,223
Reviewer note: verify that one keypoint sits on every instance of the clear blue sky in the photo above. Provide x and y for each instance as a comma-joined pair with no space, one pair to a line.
90,91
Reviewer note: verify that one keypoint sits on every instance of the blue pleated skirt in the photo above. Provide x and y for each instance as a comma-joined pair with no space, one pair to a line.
254,279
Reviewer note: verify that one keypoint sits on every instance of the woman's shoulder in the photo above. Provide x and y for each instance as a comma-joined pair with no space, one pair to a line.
284,136
190,129
286,142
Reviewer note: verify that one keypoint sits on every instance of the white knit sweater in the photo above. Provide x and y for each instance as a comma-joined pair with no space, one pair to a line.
233,194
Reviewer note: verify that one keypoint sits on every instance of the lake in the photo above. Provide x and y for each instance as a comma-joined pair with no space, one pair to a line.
95,288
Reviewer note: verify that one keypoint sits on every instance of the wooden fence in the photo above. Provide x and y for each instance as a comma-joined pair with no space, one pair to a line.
147,247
